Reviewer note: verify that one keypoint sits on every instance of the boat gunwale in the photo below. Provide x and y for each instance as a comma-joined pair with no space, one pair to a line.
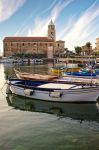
76,90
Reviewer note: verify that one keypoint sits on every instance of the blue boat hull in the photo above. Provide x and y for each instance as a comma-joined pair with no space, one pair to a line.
81,74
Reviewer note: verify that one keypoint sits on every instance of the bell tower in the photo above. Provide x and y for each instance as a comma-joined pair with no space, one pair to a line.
51,31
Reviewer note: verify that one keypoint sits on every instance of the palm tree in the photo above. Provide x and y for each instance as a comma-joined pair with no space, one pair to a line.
88,45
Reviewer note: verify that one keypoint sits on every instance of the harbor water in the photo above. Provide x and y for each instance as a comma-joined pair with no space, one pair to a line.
29,124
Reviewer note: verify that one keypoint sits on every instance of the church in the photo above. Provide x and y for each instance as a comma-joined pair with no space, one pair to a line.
46,47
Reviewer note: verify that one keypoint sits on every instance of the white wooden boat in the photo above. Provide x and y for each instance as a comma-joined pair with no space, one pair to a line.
54,91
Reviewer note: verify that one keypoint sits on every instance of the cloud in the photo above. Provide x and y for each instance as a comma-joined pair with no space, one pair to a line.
59,8
25,24
67,27
82,27
48,8
9,7
40,25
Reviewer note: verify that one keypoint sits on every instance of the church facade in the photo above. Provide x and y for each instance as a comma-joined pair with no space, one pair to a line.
46,46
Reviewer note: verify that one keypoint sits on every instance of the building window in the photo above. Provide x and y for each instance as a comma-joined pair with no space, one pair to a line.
51,44
34,44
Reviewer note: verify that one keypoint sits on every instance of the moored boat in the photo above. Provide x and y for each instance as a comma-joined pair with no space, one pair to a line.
28,76
85,72
58,70
54,78
59,92
6,60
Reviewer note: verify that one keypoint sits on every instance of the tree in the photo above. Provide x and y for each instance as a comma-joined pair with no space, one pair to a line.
78,50
88,45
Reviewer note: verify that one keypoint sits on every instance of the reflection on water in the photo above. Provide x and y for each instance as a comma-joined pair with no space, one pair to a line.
41,68
78,111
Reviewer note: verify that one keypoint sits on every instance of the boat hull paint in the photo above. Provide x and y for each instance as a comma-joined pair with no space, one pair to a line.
76,95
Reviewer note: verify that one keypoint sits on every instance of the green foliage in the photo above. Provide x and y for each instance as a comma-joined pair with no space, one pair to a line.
78,50
88,44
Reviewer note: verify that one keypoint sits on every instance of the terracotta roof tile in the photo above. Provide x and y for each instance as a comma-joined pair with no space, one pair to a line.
27,39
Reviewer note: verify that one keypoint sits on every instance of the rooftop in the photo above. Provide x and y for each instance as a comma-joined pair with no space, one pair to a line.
29,39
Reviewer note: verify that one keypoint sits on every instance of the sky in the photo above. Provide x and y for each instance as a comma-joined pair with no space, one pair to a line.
76,21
